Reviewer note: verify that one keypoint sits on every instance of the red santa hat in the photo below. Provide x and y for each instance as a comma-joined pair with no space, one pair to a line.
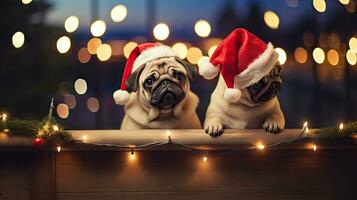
140,55
242,58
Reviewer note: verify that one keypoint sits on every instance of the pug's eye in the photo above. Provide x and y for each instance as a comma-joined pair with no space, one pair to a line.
149,82
178,75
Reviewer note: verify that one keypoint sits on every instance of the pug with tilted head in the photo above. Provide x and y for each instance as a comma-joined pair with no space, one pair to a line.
155,90
246,93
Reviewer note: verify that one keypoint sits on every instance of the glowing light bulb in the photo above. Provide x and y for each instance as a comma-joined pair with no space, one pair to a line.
205,158
84,138
98,28
180,49
260,146
161,31
319,5
168,133
318,55
63,44
55,128
18,39
71,24
314,147
271,19
4,117
341,126
202,28
118,13
104,52
132,154
25,2
58,149
282,55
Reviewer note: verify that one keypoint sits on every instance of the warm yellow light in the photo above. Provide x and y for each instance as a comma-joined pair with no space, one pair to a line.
314,147
341,126
63,44
282,55
344,2
168,133
300,55
62,111
353,44
18,39
71,24
332,57
193,55
4,117
93,45
104,52
70,101
260,146
93,104
84,138
271,19
180,49
319,5
80,85
6,130
55,127
205,158
132,155
118,13
83,55
26,1
161,31
128,48
211,50
58,149
305,124
351,57
98,28
202,28
318,55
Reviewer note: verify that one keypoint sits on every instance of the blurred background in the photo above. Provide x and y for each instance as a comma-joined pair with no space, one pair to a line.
75,51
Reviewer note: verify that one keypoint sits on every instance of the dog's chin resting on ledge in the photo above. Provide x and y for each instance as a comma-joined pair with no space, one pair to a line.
162,98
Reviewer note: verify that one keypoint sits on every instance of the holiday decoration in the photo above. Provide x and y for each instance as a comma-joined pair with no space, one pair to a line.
242,59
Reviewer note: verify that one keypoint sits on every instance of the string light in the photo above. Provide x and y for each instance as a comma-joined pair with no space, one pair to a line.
4,117
202,28
319,5
58,149
318,55
314,147
260,146
55,128
205,158
62,110
332,57
18,39
161,31
63,44
351,57
341,127
98,28
84,138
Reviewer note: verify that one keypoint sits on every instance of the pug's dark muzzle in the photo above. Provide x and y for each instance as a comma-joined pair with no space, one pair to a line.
167,94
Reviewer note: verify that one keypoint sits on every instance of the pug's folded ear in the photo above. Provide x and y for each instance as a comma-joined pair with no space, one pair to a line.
133,81
191,70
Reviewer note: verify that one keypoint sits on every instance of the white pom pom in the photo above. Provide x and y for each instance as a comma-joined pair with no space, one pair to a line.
121,97
206,69
232,95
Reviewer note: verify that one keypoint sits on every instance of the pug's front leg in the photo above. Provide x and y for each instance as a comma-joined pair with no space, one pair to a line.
275,121
213,126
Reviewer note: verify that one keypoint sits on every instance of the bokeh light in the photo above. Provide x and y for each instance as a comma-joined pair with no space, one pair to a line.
319,55
211,50
351,7
351,57
344,2
93,104
70,101
117,47
93,45
62,110
25,2
332,57
202,28
98,28
282,55
319,5
300,55
83,55
353,44
18,39
181,49
161,31
118,13
80,85
63,44
193,55
71,24
104,52
128,48
271,19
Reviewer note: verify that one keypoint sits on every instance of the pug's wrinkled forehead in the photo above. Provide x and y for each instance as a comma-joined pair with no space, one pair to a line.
165,65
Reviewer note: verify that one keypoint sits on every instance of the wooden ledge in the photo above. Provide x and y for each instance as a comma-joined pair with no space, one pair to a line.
182,139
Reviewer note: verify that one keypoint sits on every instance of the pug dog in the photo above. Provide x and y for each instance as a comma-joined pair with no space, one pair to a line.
160,96
258,106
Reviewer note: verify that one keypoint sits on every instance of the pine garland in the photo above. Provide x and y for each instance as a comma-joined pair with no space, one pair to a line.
348,130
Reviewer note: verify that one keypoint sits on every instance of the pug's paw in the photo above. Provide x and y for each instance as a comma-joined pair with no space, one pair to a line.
214,127
272,126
